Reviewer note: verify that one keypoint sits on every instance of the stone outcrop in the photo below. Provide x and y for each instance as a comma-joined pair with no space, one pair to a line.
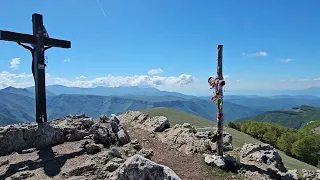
112,154
18,137
145,121
263,162
138,166
187,140
183,137
312,175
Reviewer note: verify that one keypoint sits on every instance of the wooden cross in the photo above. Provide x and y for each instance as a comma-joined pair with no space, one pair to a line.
220,104
40,42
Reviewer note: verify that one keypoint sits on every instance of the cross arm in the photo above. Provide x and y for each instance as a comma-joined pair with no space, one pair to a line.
57,43
17,37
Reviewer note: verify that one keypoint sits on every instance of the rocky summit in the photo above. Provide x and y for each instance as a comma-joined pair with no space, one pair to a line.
131,146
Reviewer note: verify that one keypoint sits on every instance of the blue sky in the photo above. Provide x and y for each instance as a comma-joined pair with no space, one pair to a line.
267,44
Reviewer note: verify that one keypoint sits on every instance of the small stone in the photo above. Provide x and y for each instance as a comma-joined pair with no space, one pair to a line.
123,137
87,122
136,144
114,126
215,160
115,152
111,166
25,151
104,118
114,119
293,173
186,125
147,153
93,148
117,160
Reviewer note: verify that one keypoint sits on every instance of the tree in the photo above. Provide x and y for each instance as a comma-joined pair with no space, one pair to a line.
285,141
308,149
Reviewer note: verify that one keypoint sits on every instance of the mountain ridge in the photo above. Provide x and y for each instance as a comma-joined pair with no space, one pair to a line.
296,117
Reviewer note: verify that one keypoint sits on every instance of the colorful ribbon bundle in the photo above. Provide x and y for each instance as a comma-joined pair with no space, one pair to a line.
217,85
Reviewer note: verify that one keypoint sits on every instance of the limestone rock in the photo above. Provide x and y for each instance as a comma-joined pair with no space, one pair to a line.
264,159
111,166
115,152
123,137
104,118
93,148
146,122
138,167
187,140
312,175
21,137
215,160
293,174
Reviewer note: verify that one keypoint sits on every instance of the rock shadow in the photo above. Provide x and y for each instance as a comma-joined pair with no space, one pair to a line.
48,160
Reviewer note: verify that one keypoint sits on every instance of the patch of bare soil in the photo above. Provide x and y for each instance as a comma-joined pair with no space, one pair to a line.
48,163
187,167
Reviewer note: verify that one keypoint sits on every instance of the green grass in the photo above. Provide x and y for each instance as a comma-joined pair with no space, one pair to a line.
313,127
238,138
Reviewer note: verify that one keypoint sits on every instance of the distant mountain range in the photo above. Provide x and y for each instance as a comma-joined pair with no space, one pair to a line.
312,91
17,104
296,117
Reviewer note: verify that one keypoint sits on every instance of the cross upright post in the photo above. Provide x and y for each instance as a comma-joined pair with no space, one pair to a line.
220,104
40,42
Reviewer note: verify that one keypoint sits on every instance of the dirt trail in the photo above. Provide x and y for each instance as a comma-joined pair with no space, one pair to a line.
187,167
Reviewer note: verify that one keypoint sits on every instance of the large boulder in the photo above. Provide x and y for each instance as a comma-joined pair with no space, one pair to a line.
140,168
145,121
187,140
262,160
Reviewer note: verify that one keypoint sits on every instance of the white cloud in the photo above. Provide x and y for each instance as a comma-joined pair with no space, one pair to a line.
155,71
286,60
137,80
16,80
26,80
67,60
81,77
14,63
260,53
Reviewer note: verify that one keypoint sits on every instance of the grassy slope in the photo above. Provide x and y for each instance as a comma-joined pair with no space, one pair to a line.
312,127
239,138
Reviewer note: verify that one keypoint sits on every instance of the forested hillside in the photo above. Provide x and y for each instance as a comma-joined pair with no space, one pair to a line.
302,144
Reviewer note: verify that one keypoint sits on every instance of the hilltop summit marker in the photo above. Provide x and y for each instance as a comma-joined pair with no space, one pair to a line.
217,84
40,42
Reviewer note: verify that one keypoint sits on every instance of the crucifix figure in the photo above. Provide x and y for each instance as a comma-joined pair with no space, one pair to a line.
40,42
